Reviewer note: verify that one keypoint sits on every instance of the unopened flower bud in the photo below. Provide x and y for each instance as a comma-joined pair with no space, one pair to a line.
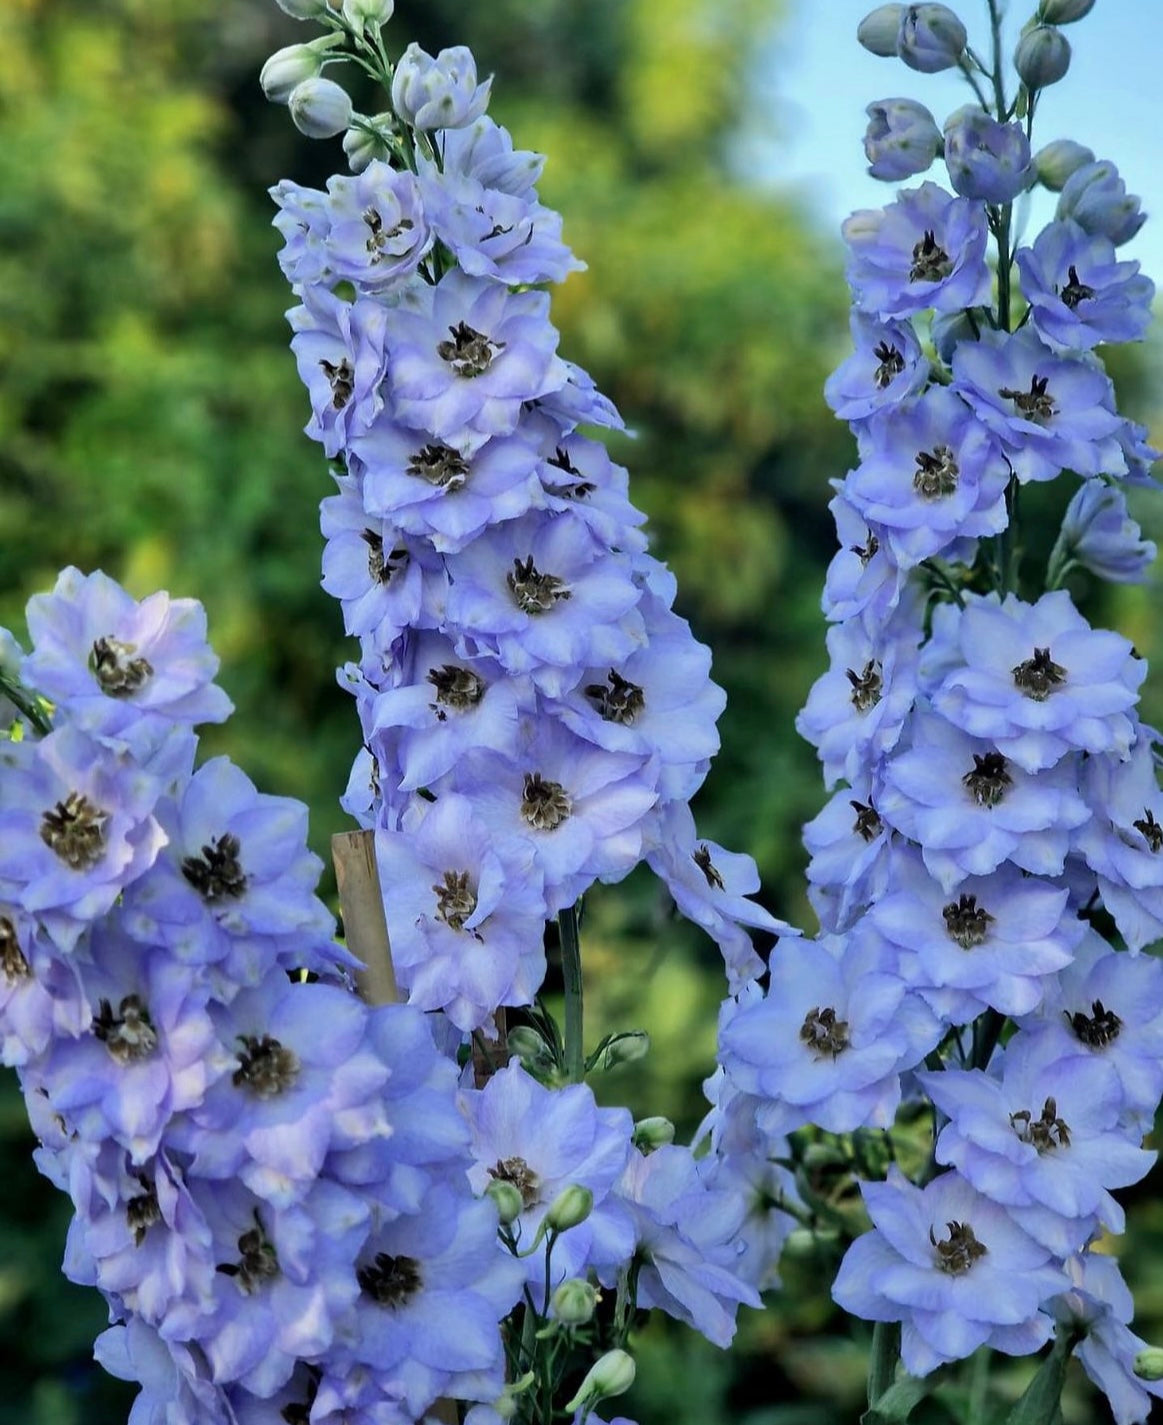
931,38
901,140
878,31
949,329
1099,534
1063,12
1042,56
610,1374
1058,160
1149,1364
574,1302
303,9
986,160
626,1048
508,1199
651,1133
287,68
571,1206
1096,198
440,93
320,108
525,1042
367,14
364,143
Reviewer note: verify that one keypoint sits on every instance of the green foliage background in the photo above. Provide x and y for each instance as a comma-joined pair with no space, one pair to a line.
149,425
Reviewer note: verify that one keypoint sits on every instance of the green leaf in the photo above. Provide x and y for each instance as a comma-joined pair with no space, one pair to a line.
897,1403
1039,1403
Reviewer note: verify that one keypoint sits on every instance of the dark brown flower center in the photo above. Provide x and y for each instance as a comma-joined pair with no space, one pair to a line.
217,874
142,1211
390,1281
892,363
258,1262
1038,676
701,856
1097,1031
534,592
1045,1133
380,566
456,687
12,960
617,700
75,830
864,552
930,260
957,1252
1036,404
440,465
129,1034
868,824
455,899
518,1172
936,473
341,377
266,1068
577,491
544,804
116,670
824,1034
1075,291
989,780
470,353
966,922
1152,831
866,686
381,236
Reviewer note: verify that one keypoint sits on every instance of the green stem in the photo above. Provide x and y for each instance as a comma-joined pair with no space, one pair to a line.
571,973
986,1033
979,1384
25,702
886,1350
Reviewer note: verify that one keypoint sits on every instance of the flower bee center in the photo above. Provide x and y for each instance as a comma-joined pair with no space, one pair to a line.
1038,676
75,830
265,1067
1097,1031
1036,404
118,673
544,804
823,1033
455,899
617,700
930,260
381,236
868,824
142,1211
936,473
217,874
1045,1133
701,856
380,566
865,552
966,922
129,1034
892,363
866,686
988,781
456,687
518,1172
1152,831
1075,291
341,378
258,1262
470,353
440,465
390,1281
534,592
957,1252
12,961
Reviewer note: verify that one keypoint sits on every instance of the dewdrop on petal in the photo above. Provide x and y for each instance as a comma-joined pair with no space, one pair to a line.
1042,57
879,29
610,1374
320,108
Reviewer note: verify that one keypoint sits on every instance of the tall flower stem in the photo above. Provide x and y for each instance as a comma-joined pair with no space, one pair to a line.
571,973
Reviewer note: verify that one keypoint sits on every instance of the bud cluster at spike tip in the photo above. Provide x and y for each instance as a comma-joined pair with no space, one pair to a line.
992,851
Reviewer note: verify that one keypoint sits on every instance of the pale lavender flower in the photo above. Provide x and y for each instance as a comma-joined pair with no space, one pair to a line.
925,250
1051,411
339,350
986,159
1099,534
379,231
484,150
304,220
861,580
1096,198
901,140
41,994
440,93
886,368
930,38
952,1267
577,475
848,842
1079,294
176,1388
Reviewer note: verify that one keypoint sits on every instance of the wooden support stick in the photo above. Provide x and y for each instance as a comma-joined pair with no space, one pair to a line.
361,903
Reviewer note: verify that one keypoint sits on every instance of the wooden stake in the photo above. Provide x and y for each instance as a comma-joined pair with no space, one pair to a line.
361,904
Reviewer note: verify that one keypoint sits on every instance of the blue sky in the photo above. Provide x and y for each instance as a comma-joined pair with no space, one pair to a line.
815,81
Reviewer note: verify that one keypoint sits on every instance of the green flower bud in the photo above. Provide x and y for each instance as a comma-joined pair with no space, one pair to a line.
510,1203
320,108
303,9
1149,1364
364,142
525,1042
627,1048
1058,160
610,1374
574,1302
1042,56
1063,12
878,31
287,68
651,1133
571,1206
367,14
